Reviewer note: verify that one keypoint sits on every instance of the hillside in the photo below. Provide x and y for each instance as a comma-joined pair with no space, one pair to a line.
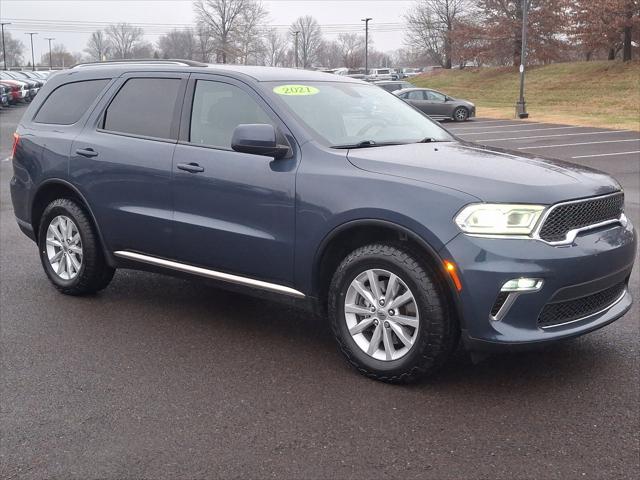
599,94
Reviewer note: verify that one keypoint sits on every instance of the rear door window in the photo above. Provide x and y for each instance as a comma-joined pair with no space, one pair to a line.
67,103
144,107
415,95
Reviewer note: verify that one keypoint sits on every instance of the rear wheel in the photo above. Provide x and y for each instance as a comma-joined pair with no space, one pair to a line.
389,314
460,114
70,249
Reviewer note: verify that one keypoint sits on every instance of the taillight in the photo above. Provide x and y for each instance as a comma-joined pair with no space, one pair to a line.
16,141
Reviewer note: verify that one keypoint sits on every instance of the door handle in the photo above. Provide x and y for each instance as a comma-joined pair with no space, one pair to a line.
87,152
190,167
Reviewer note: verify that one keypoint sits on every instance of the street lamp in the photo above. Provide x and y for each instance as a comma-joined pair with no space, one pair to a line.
366,44
521,107
296,46
4,49
33,59
50,62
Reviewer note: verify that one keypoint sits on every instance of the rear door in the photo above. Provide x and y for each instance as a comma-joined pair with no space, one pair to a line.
418,100
234,212
122,161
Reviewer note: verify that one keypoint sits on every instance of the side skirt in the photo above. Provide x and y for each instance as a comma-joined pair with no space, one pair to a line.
213,274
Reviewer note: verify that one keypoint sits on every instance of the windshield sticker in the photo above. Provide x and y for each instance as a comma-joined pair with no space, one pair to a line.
296,90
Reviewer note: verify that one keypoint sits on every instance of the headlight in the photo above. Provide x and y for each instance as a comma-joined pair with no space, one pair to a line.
499,219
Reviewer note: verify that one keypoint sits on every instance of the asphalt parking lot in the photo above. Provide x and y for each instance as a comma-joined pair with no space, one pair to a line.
158,377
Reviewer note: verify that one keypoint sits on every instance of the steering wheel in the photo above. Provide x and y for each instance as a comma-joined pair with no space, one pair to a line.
370,125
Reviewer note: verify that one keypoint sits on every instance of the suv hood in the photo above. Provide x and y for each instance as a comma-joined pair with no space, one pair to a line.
486,173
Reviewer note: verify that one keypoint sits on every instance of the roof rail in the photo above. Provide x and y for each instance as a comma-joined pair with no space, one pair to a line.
171,61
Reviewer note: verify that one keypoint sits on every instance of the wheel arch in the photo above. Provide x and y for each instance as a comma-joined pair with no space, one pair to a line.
54,188
348,236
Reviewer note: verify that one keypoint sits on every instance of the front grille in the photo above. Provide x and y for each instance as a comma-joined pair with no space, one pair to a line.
571,216
563,312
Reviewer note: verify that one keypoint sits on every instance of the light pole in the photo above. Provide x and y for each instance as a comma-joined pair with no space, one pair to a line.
4,48
50,62
33,58
521,107
296,46
366,44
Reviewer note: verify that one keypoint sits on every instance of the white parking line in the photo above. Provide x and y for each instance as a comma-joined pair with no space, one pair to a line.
473,122
607,154
604,132
581,143
518,131
502,126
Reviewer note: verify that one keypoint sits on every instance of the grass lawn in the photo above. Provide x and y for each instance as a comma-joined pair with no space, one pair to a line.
599,94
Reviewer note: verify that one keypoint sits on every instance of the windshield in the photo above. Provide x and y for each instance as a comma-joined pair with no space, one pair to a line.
345,114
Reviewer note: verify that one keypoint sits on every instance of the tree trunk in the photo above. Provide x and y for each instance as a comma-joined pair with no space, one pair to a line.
626,48
612,54
447,48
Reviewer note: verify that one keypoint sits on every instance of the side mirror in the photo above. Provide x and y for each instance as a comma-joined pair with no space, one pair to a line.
258,139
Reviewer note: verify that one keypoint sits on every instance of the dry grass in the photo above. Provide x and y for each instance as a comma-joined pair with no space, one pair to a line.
598,94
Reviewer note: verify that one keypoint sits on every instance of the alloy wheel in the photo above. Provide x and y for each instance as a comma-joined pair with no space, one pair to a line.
381,314
64,247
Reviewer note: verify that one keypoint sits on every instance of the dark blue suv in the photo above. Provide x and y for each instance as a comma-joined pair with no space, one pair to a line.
324,190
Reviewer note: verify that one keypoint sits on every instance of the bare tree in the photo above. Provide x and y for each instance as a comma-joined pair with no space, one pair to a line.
351,49
309,39
60,57
250,36
223,19
178,44
430,25
275,49
99,46
205,43
124,38
14,49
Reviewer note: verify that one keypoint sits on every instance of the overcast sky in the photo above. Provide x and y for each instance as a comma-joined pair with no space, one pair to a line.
163,15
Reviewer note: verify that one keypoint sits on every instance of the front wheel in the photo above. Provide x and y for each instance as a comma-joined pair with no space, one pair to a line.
460,114
389,314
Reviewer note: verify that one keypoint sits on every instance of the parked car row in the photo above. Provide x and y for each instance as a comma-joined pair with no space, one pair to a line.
20,86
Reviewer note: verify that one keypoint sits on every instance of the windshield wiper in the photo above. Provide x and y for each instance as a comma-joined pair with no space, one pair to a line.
362,144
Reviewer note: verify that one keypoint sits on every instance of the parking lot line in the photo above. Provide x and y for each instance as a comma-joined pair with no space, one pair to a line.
489,121
607,154
604,132
518,131
502,126
581,143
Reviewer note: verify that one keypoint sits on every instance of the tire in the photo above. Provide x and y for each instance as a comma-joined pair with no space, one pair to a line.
460,114
431,343
88,272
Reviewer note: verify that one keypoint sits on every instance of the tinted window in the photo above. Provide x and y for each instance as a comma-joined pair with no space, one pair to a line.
67,103
435,96
144,106
218,108
415,95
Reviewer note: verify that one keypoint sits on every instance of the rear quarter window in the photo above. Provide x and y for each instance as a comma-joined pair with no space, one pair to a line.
67,103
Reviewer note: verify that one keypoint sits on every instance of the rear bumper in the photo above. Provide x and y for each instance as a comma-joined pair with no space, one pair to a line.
596,261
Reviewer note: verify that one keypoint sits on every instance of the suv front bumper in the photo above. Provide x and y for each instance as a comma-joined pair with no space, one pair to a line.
596,261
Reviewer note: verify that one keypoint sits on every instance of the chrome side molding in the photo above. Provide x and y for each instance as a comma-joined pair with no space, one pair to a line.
213,274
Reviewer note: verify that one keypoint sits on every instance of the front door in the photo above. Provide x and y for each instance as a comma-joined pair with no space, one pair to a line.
234,212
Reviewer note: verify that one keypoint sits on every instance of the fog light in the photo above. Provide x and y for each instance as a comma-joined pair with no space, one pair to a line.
522,285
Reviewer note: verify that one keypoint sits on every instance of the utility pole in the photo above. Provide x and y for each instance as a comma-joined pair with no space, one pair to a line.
33,58
50,62
296,45
4,48
366,44
521,107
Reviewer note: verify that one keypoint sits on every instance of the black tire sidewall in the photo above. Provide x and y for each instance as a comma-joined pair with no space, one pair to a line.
425,304
51,212
466,114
